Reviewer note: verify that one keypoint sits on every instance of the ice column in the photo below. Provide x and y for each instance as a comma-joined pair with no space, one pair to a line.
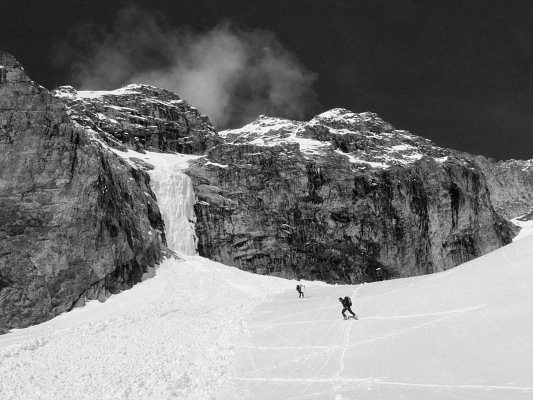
175,197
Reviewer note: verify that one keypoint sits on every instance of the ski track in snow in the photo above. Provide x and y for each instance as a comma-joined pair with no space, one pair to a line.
346,344
346,341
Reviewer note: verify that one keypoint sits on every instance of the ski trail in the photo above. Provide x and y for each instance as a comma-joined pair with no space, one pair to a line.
410,329
346,345
380,382
343,352
290,380
286,316
458,386
308,387
420,315
290,346
337,376
444,312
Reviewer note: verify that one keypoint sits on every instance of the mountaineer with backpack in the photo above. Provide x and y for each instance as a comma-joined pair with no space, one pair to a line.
347,306
300,289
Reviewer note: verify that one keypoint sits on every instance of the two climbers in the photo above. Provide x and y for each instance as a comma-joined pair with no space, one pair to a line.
346,302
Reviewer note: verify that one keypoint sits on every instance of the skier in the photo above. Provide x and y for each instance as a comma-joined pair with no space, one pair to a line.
347,306
300,289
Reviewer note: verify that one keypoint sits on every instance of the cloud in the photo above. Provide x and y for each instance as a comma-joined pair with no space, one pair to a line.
229,74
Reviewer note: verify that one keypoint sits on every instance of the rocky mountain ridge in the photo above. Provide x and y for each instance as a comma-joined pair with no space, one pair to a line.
364,138
339,198
358,150
336,198
140,117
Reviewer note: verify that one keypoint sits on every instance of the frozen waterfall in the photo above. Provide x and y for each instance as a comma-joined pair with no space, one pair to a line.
175,197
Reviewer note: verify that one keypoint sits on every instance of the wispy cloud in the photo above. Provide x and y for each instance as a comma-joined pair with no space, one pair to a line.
229,74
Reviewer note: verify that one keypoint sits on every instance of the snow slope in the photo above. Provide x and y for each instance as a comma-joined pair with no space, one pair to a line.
166,338
526,227
466,333
192,332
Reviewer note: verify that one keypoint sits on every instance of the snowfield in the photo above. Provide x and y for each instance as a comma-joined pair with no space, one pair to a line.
166,338
466,333
202,330
526,228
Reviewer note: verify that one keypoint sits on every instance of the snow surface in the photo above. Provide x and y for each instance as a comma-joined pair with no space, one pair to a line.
92,94
270,131
356,160
526,228
466,333
343,115
166,338
263,126
202,330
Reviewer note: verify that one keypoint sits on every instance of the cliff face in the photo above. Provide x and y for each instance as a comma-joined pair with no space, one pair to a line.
338,197
77,222
511,185
140,117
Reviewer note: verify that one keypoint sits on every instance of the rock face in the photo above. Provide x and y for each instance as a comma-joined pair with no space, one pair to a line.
339,197
77,221
140,117
510,184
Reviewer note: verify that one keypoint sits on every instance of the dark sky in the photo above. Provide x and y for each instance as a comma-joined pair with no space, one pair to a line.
457,72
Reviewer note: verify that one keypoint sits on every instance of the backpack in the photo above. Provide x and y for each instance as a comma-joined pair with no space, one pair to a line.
298,287
348,301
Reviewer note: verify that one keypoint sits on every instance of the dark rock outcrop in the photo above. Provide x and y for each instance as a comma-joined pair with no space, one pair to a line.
510,184
337,198
77,222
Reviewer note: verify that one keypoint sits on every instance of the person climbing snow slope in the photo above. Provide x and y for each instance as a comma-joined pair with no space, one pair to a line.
347,306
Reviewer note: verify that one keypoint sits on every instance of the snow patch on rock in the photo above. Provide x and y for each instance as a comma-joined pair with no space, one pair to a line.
361,137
